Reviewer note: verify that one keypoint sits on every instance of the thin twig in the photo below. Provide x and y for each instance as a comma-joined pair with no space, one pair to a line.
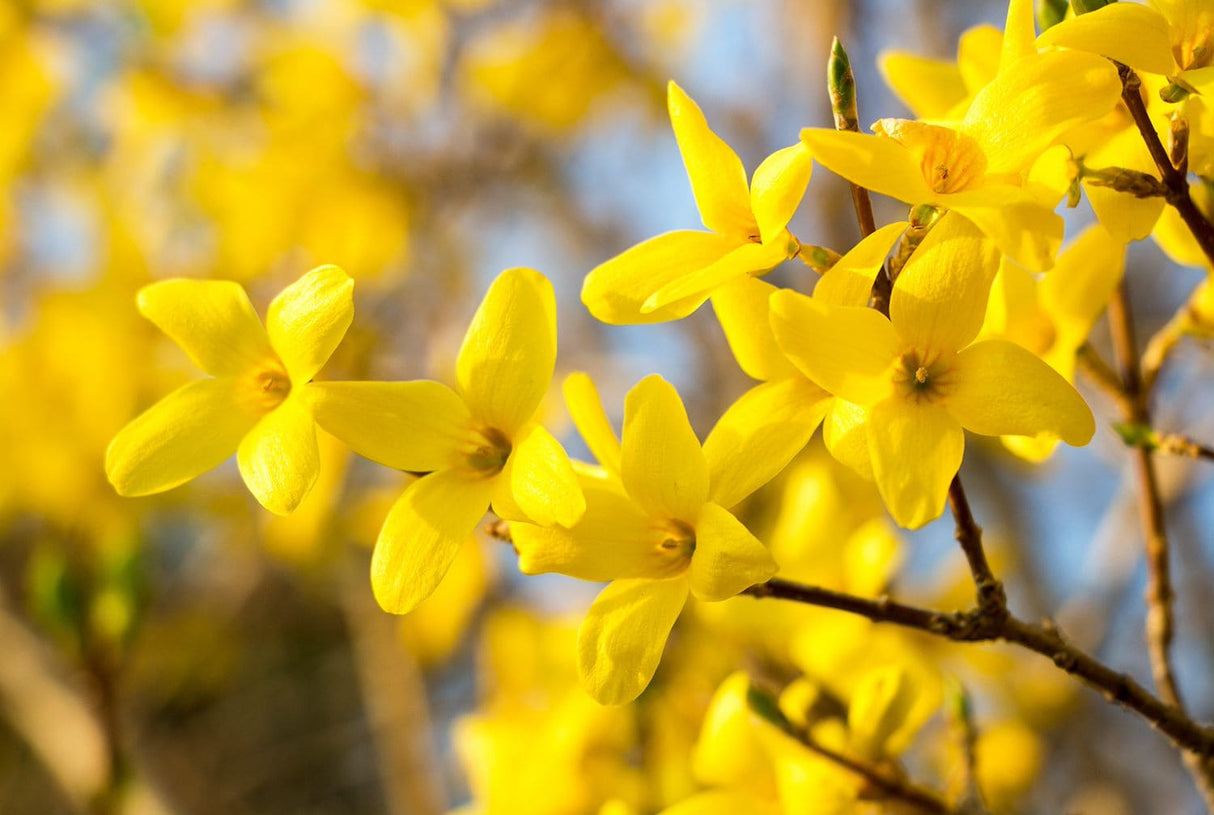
1099,371
841,87
976,626
991,598
1174,179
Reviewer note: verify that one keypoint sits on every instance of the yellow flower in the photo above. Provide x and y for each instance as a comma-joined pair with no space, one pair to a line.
919,376
980,168
254,405
480,445
670,276
1168,37
659,533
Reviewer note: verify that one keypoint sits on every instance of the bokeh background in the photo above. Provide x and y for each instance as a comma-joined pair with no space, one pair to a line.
189,653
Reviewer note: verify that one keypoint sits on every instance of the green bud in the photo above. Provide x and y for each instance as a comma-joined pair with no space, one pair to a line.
1084,6
1136,435
1174,92
841,85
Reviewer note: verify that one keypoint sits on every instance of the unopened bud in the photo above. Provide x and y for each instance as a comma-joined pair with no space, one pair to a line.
841,85
1050,13
1084,6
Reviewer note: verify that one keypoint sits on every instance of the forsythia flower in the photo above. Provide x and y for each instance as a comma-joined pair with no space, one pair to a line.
670,276
659,533
480,445
979,167
255,404
919,375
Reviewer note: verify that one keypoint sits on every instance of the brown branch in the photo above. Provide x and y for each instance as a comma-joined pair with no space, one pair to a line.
841,88
1099,371
977,626
1174,178
991,598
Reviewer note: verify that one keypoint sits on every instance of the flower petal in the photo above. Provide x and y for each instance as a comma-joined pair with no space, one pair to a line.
728,558
543,482
847,351
1079,287
929,87
422,534
1023,111
1136,35
845,432
718,179
1002,389
621,640
777,187
279,459
1020,226
747,259
662,465
212,320
307,320
412,426
614,540
916,450
759,434
877,163
615,291
940,297
850,281
586,410
742,308
505,364
193,429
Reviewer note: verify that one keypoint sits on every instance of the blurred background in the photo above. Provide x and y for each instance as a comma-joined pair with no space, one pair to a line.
189,653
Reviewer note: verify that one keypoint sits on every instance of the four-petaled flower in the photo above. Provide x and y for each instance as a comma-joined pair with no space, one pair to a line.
255,404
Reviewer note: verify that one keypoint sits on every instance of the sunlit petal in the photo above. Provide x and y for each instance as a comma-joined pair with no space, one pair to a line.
212,320
586,410
742,308
1016,223
875,162
279,459
505,364
422,534
747,259
307,320
193,429
1134,34
662,464
916,450
623,635
728,558
543,482
850,281
777,188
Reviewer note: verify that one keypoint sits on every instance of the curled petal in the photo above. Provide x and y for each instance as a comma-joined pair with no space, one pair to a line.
742,308
1134,34
662,465
746,259
877,163
621,640
542,480
586,410
777,188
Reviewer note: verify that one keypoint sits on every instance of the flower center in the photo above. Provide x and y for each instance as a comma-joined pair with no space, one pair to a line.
487,452
950,161
1191,34
266,387
921,378
676,543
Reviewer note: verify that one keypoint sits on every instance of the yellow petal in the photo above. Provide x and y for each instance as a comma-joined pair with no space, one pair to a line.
777,187
411,426
662,465
979,52
1079,287
1136,35
586,410
622,638
876,162
742,308
1173,235
422,534
847,351
1018,34
850,281
1022,112
614,540
916,450
212,320
543,482
759,434
1125,216
279,459
1003,389
615,291
193,429
307,320
724,802
845,432
505,364
728,558
1018,224
878,709
940,297
929,87
718,179
747,259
